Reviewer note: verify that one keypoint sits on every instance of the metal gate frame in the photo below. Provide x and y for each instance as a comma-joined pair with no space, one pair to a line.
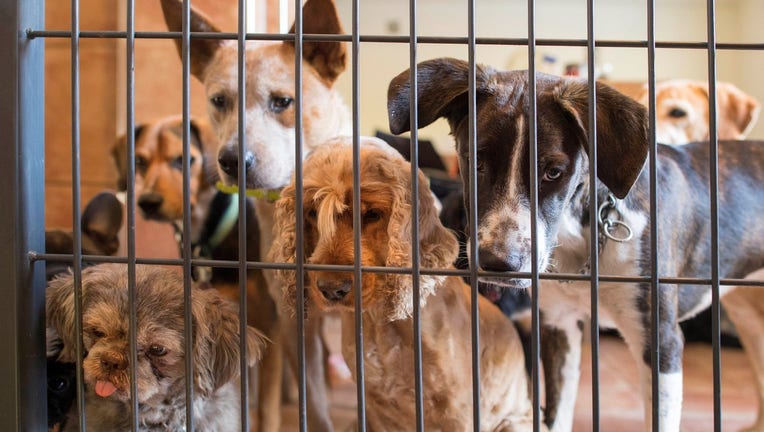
22,107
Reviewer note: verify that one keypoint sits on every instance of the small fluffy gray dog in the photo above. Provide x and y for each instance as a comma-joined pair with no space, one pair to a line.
160,369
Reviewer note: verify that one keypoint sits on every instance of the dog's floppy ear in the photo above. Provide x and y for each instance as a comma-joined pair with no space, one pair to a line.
738,111
216,341
202,50
119,154
284,246
102,220
442,86
622,136
438,247
328,58
59,311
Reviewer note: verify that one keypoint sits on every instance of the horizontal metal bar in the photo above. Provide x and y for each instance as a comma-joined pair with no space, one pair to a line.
396,39
393,270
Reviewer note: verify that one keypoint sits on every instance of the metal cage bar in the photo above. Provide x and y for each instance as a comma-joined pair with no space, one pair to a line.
299,211
594,269
654,272
714,196
188,332
357,253
130,204
241,66
415,270
458,40
22,321
534,201
474,262
76,230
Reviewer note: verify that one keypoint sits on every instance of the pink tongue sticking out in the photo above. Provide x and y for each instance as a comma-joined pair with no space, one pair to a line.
105,388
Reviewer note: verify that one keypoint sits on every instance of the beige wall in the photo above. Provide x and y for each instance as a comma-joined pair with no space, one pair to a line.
676,20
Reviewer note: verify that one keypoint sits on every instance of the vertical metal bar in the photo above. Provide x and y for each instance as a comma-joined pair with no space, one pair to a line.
357,274
76,229
241,52
533,185
593,206
22,104
188,331
714,195
299,226
471,124
417,325
654,271
130,114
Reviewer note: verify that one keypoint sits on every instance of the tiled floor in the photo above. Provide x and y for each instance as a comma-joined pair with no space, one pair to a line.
621,405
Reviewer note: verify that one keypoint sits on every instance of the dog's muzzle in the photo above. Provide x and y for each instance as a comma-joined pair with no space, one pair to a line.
151,204
512,261
228,161
334,290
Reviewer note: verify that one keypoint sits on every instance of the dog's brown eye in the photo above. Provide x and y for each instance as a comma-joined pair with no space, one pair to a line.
279,104
220,102
177,163
98,334
552,174
140,163
312,213
372,215
677,113
157,350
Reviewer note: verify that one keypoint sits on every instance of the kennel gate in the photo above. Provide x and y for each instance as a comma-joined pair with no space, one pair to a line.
22,230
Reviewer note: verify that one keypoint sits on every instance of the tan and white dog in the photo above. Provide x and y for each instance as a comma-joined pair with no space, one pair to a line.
270,133
682,114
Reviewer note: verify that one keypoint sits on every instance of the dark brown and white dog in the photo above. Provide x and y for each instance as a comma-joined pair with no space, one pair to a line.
563,218
270,132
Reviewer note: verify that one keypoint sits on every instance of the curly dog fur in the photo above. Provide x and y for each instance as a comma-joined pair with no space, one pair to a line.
386,207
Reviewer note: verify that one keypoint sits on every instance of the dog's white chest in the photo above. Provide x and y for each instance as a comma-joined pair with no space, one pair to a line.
615,259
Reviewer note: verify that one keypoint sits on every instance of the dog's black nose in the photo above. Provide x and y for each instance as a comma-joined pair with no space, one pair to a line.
113,361
491,262
150,203
334,290
228,160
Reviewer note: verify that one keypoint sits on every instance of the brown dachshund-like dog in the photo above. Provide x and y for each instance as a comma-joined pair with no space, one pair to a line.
388,301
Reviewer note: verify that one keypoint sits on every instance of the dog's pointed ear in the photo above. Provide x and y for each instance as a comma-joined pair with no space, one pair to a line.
328,58
442,86
622,135
202,50
216,341
738,111
102,220
119,155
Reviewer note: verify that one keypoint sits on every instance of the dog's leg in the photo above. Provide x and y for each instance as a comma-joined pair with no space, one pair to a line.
263,315
560,347
317,399
745,307
317,395
636,332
